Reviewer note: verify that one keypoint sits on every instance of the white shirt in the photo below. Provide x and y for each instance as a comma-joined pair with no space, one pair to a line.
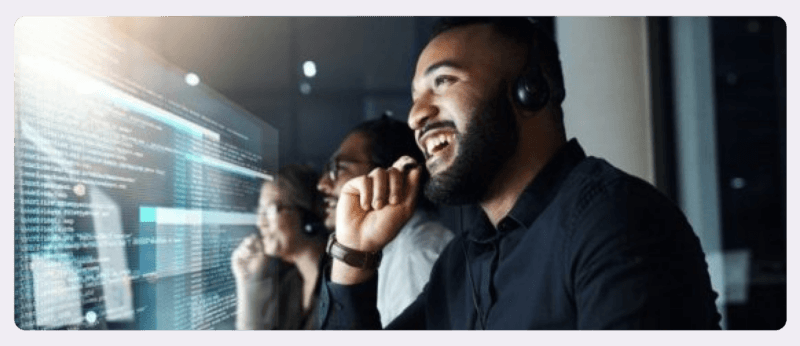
407,263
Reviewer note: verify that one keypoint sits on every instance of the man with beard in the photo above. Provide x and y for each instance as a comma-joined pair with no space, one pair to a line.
551,239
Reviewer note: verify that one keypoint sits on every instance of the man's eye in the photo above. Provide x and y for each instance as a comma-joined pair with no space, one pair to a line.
440,80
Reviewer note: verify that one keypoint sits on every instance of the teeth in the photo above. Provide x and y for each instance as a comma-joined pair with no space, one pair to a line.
330,202
434,142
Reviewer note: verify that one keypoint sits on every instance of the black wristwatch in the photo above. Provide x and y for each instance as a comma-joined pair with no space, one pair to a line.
353,258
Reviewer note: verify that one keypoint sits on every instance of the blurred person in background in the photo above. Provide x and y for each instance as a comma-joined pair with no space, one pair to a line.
277,270
406,261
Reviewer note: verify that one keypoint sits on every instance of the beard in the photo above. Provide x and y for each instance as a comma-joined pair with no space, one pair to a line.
489,140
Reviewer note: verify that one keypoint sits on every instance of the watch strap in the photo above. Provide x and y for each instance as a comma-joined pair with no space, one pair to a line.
353,258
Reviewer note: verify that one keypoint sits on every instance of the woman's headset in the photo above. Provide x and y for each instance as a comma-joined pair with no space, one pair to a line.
312,225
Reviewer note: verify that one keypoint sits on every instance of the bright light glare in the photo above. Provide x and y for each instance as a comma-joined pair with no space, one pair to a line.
309,69
91,317
192,79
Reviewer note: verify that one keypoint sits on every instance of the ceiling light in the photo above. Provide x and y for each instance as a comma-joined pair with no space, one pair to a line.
309,69
192,79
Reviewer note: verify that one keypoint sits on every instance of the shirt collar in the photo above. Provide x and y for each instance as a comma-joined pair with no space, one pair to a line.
533,200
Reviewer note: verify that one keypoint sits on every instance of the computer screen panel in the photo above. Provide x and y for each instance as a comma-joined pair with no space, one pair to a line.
133,184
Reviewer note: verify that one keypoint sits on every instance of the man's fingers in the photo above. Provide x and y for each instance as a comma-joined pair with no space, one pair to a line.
360,188
366,192
398,184
411,171
404,163
395,185
380,187
412,186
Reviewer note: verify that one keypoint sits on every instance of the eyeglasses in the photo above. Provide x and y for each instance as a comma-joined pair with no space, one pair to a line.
271,211
334,167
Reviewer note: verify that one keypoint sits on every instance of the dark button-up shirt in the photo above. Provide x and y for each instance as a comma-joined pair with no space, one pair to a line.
586,246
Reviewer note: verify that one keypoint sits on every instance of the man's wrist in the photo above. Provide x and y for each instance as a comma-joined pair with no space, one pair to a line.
345,274
355,244
350,266
353,257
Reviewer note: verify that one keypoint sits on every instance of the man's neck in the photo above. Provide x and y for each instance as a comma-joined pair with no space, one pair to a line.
516,174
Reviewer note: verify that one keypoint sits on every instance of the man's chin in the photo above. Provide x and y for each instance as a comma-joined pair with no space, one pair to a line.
441,162
441,189
454,184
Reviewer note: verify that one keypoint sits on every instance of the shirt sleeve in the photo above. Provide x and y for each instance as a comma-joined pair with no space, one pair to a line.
409,270
637,264
354,307
348,306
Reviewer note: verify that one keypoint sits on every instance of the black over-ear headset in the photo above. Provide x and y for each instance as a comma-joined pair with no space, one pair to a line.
531,90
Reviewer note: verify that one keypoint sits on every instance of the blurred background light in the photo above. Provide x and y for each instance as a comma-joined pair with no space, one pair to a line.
305,88
192,79
309,69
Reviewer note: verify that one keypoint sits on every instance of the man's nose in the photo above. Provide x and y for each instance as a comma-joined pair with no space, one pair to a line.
325,185
421,112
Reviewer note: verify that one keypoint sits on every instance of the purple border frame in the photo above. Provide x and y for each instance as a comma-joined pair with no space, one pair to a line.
12,11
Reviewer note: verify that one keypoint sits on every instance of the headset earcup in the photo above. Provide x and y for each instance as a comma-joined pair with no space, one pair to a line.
313,227
531,90
309,229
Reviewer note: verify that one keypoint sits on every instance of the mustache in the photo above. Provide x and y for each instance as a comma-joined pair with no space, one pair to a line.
436,125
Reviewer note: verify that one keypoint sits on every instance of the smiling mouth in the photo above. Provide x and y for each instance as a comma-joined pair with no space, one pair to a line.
330,202
436,141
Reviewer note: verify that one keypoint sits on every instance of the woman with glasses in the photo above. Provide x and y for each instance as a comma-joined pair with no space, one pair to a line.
277,271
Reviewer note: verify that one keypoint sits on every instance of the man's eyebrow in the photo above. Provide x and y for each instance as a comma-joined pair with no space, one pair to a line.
440,64
443,63
348,159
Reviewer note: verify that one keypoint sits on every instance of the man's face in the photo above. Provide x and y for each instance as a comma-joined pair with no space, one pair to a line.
351,160
462,118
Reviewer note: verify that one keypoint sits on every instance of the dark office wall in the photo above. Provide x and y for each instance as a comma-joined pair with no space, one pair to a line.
364,69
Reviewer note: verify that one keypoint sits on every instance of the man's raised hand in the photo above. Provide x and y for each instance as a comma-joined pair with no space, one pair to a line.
373,208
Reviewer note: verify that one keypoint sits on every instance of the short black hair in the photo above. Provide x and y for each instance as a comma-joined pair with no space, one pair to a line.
390,139
527,31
